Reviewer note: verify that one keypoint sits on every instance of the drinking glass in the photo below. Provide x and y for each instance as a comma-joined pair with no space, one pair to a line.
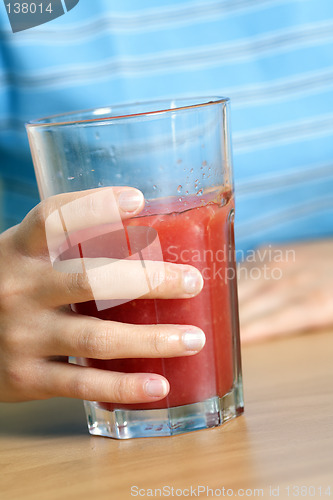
178,153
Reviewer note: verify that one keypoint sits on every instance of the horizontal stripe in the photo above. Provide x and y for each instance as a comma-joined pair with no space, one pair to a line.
280,158
290,132
248,48
142,20
271,205
130,44
243,102
265,137
276,181
245,96
292,213
280,89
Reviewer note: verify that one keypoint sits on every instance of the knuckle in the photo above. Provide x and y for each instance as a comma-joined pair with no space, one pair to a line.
13,283
79,387
79,282
157,278
6,291
17,376
95,342
20,284
92,204
39,214
174,273
10,341
124,389
159,342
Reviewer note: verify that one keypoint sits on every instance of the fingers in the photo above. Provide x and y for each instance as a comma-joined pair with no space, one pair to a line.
91,384
289,320
51,223
87,337
310,312
80,280
37,373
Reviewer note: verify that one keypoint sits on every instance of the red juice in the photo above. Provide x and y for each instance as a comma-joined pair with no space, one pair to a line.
200,234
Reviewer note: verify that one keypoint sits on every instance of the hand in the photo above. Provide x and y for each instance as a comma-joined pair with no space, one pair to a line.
287,290
38,331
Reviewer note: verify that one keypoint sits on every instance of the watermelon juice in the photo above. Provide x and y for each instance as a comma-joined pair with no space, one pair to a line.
198,232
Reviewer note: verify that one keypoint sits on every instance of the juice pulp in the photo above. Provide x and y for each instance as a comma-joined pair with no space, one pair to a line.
202,236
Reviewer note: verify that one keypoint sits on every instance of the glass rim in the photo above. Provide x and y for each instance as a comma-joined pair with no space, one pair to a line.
97,113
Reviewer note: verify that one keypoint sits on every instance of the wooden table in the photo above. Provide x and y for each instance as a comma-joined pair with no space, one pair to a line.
284,439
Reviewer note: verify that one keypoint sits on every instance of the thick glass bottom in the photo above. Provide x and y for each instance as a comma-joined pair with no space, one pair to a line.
125,424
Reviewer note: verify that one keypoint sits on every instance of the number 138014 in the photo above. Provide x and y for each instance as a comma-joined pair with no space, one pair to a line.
28,8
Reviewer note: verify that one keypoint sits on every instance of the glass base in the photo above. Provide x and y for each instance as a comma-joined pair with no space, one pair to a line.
125,424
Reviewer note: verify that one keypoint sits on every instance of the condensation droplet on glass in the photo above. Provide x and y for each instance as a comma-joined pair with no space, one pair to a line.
191,171
154,187
179,188
199,193
100,184
70,178
203,175
180,199
179,161
97,136
186,192
204,163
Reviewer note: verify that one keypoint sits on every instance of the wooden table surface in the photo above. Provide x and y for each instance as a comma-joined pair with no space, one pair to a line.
283,441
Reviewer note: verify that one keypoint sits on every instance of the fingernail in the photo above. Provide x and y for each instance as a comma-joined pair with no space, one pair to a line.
192,282
130,199
156,388
194,340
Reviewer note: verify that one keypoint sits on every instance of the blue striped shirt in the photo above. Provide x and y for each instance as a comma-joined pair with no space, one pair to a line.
273,58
